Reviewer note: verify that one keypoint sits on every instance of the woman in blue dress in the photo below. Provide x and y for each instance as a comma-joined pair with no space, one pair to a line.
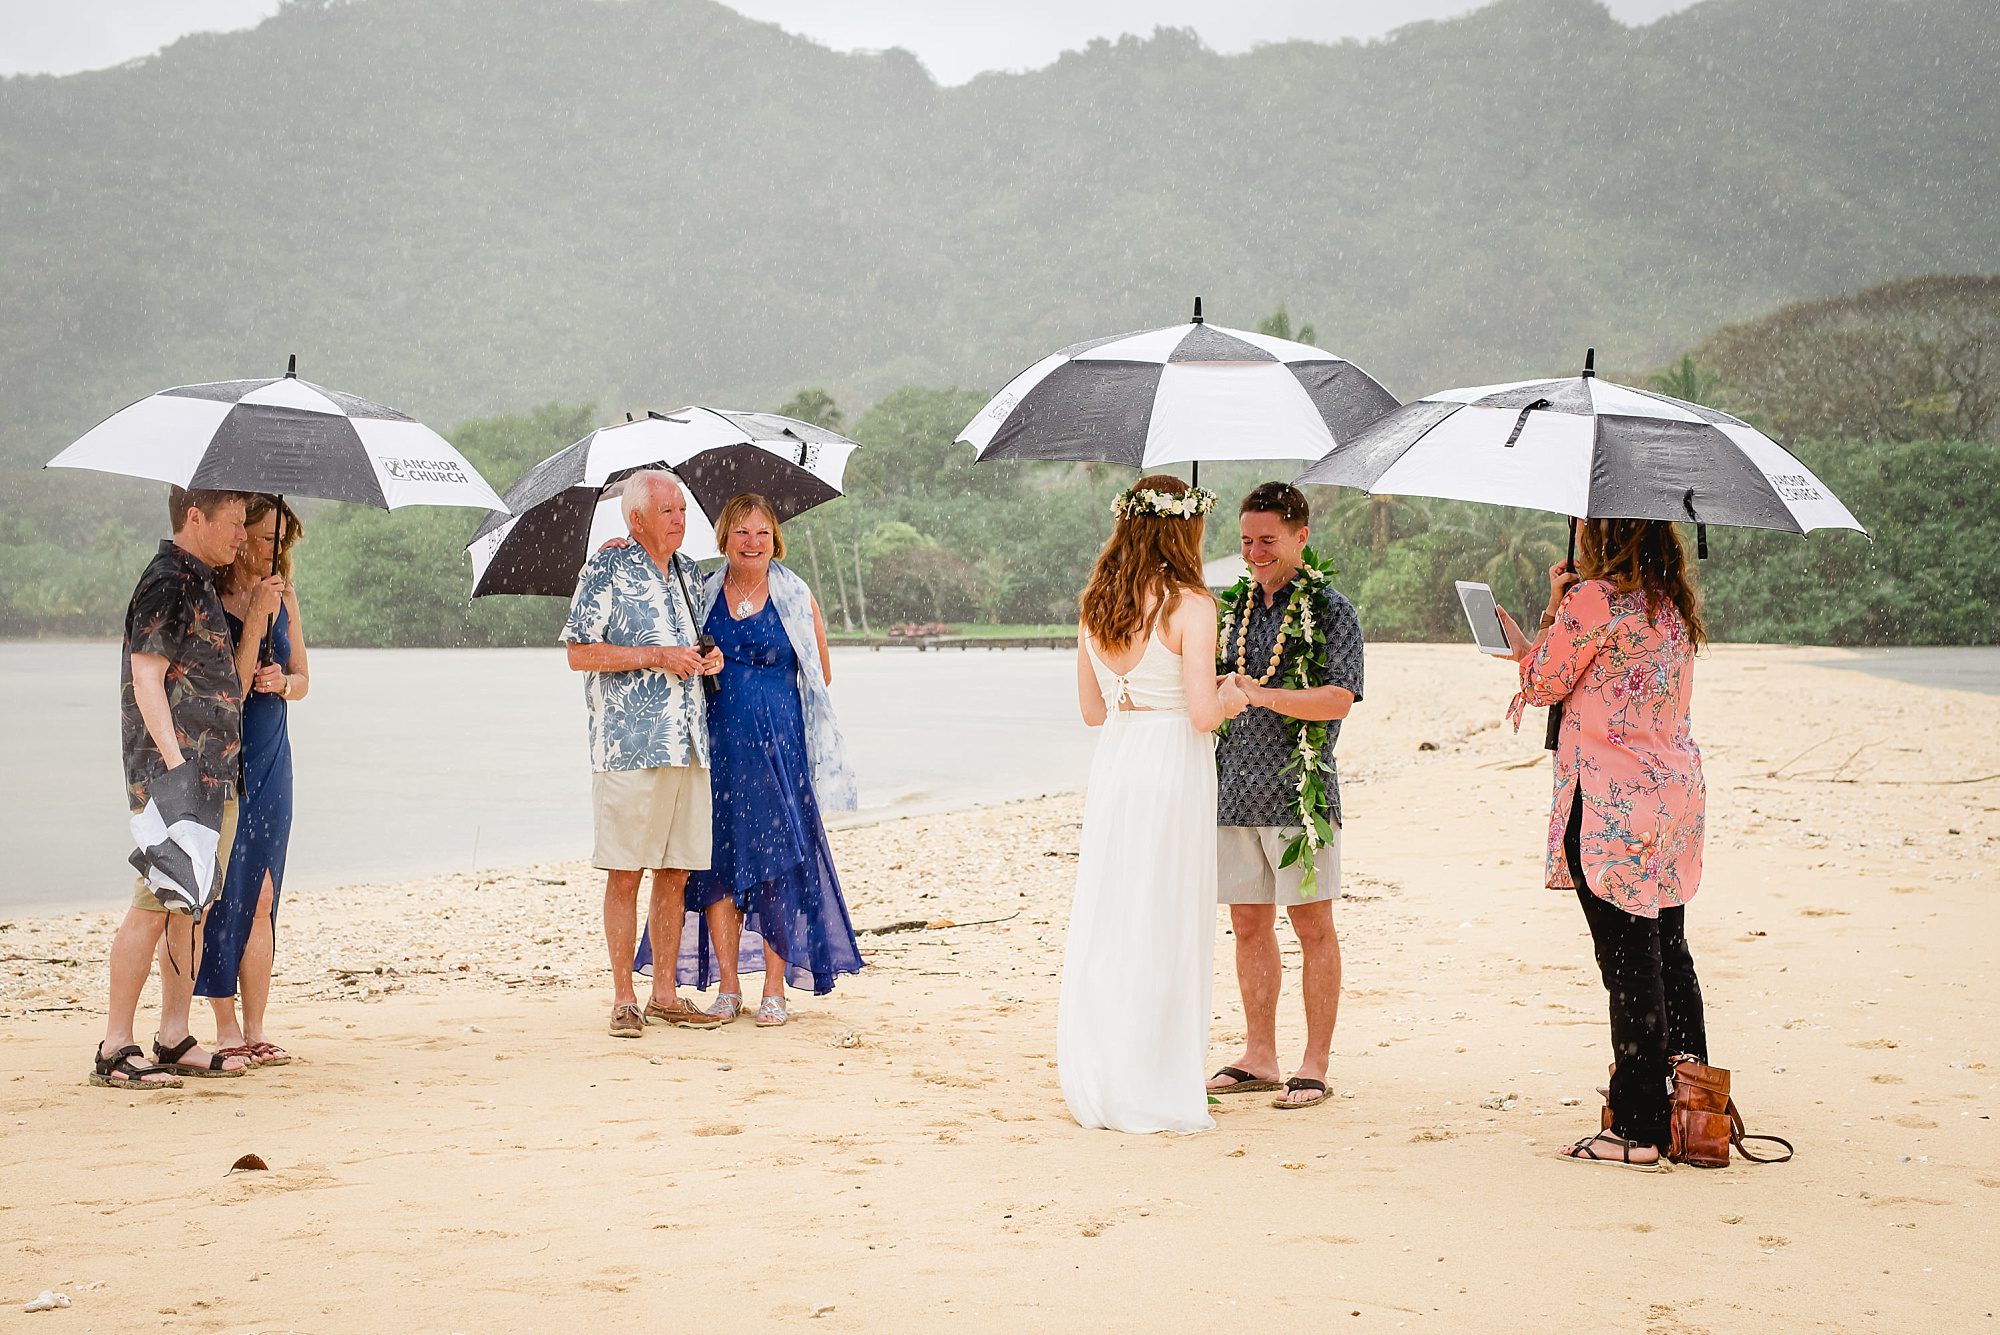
240,937
770,899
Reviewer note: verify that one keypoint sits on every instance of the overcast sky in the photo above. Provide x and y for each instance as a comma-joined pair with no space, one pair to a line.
955,39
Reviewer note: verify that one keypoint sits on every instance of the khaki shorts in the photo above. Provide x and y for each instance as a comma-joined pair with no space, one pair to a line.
649,819
1247,871
142,894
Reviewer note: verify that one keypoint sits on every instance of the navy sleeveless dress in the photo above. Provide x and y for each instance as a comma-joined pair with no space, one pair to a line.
770,850
263,827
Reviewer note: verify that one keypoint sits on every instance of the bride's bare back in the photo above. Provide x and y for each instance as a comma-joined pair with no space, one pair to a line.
1187,634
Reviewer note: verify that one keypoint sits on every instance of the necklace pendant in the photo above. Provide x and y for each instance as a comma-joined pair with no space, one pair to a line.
743,608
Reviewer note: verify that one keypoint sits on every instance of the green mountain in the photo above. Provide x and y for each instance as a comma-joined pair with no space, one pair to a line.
463,207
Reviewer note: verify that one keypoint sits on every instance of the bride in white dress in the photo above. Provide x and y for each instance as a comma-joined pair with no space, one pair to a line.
1132,1031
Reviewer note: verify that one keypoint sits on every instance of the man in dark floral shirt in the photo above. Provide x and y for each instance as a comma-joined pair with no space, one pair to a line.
183,683
1257,815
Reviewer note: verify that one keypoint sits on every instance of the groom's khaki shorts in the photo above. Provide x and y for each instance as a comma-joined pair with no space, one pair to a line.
1247,871
649,819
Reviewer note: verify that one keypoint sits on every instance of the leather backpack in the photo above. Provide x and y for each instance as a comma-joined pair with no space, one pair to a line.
1704,1121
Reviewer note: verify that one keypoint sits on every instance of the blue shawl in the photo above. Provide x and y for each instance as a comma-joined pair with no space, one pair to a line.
833,780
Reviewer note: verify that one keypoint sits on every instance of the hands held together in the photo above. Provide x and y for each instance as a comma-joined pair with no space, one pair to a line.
685,662
1230,691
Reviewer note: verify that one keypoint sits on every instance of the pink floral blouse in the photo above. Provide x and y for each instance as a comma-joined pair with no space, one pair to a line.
1625,685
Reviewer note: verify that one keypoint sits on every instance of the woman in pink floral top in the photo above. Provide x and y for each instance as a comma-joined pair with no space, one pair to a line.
1616,649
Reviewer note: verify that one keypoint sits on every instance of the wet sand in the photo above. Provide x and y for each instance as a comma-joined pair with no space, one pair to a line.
460,1148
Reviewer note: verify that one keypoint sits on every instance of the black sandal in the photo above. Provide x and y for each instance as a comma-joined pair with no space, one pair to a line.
1244,1082
169,1059
119,1071
1581,1152
1299,1082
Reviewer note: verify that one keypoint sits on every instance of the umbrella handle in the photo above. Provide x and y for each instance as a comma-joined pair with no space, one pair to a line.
1554,733
268,653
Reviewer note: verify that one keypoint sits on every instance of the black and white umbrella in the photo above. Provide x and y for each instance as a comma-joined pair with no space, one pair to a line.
1189,392
177,837
284,436
567,505
1590,449
1587,448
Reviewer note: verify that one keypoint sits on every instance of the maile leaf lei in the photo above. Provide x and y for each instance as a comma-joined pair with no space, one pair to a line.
1304,667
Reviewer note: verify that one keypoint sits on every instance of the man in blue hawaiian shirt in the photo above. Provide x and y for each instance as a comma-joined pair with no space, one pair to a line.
632,629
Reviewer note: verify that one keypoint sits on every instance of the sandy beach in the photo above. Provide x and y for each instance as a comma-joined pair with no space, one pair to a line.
460,1148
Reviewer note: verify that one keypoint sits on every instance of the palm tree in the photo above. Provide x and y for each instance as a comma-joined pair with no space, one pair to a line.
1375,518
1279,325
815,406
1523,545
1686,381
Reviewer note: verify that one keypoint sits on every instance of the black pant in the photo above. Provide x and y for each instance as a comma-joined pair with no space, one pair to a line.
1655,998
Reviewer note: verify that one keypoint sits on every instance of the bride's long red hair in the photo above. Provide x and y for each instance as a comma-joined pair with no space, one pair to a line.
1148,563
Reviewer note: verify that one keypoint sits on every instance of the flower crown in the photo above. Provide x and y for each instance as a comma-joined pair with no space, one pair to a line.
1190,504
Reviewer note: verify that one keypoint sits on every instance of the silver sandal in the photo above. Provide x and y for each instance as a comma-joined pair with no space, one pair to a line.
771,1013
726,1006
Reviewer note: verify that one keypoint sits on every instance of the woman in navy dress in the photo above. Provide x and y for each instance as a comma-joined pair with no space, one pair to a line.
240,937
770,898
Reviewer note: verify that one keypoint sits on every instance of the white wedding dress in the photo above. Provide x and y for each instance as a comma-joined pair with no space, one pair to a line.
1132,1030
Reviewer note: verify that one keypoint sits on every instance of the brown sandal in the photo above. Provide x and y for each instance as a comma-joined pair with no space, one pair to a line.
1298,1082
122,1070
1242,1082
169,1059
626,1022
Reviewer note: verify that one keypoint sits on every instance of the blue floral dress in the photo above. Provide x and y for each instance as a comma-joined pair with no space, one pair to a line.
770,850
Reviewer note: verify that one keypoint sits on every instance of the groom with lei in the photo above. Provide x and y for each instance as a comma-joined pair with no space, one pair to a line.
1293,644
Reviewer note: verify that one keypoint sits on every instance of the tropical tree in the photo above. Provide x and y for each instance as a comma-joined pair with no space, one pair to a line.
1686,380
1519,546
815,406
1278,324
1372,519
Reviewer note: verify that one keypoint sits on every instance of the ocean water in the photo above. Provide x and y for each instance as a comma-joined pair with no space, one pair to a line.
414,762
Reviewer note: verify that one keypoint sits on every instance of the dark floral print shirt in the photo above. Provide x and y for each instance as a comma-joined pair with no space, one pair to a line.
177,613
1253,787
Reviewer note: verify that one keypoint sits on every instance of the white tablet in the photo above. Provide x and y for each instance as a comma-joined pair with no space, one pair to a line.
1482,614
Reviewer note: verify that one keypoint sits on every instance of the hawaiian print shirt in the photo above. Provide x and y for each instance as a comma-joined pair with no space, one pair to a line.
1626,747
1252,787
176,613
649,718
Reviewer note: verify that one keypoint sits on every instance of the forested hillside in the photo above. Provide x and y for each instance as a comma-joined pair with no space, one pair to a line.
466,207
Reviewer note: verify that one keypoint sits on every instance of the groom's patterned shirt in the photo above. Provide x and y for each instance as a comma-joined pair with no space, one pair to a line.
1252,787
650,718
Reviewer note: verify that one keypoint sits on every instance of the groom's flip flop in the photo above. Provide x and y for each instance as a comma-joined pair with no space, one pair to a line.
1244,1082
1298,1082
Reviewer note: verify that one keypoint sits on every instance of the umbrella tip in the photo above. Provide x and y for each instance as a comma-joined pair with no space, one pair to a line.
1197,311
292,367
628,417
1589,362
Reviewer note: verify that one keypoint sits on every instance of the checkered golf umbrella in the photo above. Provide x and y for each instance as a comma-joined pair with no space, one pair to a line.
564,507
1189,392
284,436
1588,448
177,836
